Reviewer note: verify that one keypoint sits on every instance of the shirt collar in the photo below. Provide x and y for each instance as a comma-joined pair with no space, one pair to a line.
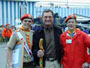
23,29
48,28
69,32
74,31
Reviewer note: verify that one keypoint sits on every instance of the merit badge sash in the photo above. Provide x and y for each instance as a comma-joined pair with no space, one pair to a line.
26,46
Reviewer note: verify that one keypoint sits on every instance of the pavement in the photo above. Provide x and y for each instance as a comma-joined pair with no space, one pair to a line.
3,51
3,55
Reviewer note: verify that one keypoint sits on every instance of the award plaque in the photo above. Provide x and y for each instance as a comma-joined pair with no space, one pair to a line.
17,56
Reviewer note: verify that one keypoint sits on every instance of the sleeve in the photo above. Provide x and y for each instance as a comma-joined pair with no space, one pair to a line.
12,41
60,39
88,59
35,48
86,40
87,44
3,33
61,43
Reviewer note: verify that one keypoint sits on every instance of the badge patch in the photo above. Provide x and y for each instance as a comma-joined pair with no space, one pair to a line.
68,41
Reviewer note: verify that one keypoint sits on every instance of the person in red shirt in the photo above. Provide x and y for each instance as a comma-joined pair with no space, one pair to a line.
6,33
75,43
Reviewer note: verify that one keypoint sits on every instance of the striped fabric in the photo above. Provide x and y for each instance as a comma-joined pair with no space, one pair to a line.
10,11
28,41
27,36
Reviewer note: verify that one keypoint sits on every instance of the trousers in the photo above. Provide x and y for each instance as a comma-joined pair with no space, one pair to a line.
28,65
51,64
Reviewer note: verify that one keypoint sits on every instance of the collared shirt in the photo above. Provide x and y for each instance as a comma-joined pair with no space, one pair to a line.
71,34
74,32
14,38
50,42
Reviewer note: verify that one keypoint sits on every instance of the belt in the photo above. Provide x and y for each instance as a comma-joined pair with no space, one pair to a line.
50,59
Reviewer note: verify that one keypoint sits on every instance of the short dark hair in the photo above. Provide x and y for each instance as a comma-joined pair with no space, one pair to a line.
47,10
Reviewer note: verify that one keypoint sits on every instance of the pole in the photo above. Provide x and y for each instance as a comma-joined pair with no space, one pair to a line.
41,48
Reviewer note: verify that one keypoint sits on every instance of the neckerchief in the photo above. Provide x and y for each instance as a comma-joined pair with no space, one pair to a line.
23,29
27,36
71,33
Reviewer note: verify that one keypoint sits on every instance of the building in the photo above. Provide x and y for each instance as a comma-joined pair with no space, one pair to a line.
12,10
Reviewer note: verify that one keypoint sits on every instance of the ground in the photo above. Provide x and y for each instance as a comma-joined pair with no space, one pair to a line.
3,50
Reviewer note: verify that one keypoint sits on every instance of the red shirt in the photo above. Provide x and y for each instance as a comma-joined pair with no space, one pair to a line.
75,49
6,32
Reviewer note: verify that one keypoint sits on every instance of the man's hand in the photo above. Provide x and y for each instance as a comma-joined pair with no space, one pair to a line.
85,65
40,53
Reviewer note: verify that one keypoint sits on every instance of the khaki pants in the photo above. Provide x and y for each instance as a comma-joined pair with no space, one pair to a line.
52,64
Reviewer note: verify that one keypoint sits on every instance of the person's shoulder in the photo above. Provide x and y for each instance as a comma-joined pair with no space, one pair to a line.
57,30
17,30
14,33
39,29
64,34
81,32
57,27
